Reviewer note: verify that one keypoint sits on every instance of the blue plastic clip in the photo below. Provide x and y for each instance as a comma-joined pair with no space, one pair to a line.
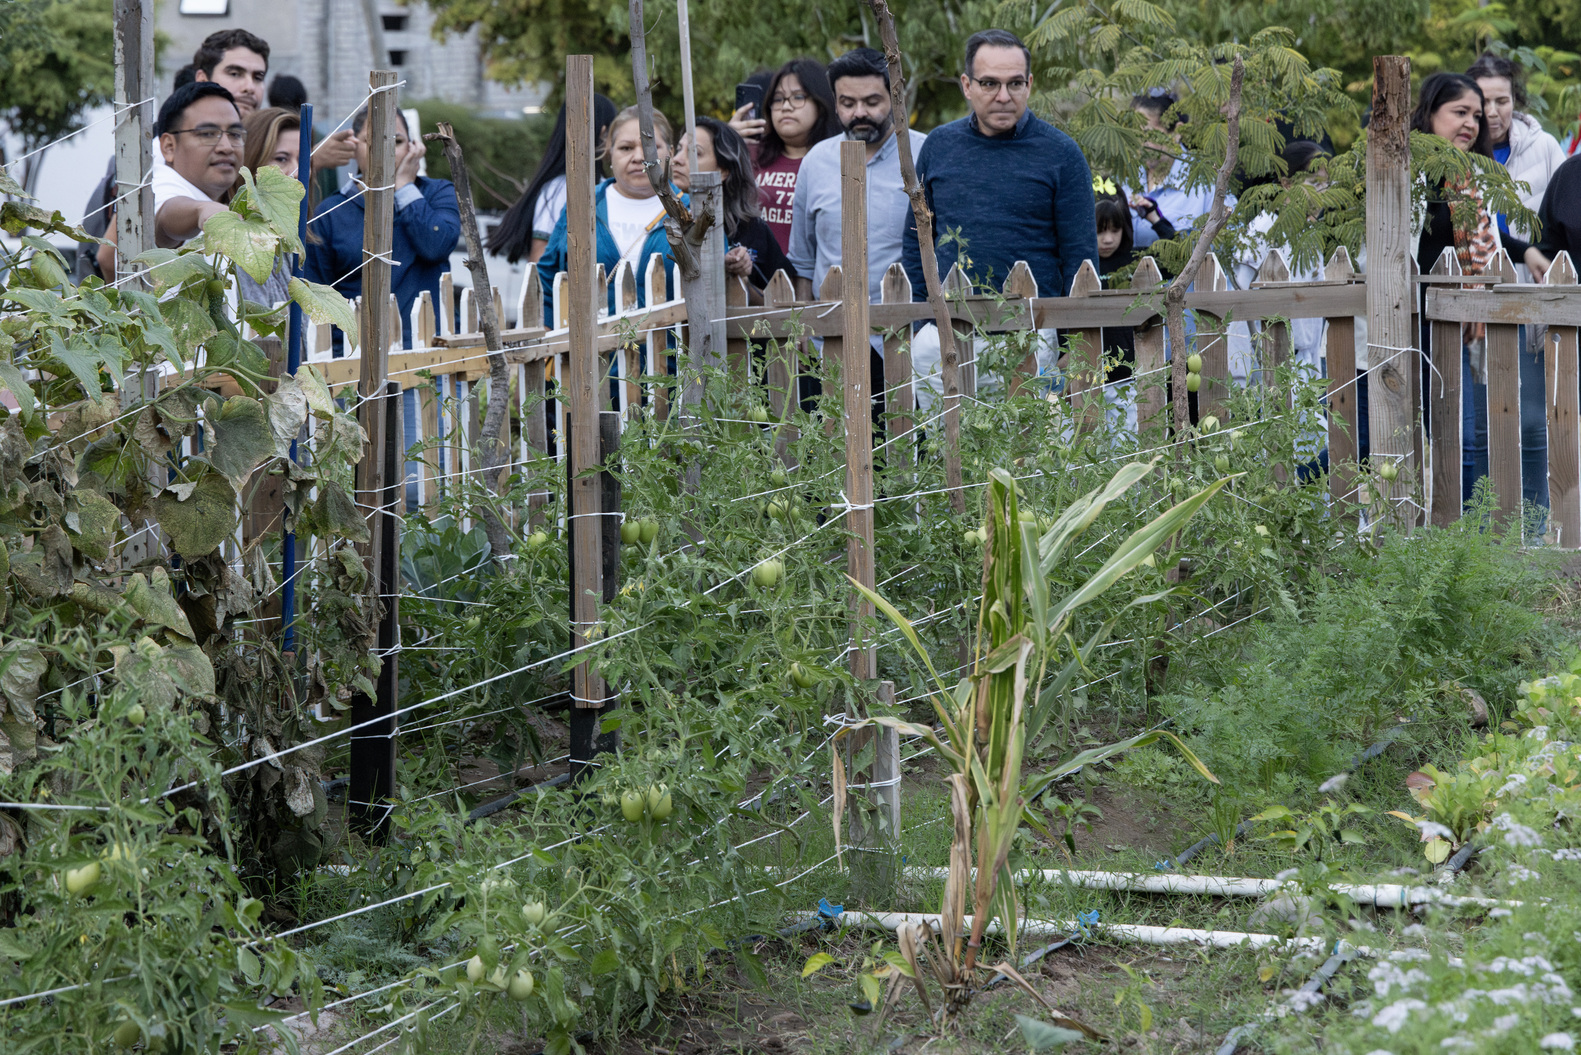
1085,920
828,911
1166,865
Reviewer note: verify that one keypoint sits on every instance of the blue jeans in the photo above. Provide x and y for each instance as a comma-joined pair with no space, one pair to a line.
1534,427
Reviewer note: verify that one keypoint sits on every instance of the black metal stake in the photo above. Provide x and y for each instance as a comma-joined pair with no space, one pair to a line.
372,784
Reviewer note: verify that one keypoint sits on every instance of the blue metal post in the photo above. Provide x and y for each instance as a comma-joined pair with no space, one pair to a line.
304,171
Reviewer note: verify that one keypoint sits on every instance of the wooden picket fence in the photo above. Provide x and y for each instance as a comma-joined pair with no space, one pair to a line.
448,347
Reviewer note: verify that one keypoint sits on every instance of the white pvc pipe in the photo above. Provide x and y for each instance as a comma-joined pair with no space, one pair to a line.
1218,939
1383,895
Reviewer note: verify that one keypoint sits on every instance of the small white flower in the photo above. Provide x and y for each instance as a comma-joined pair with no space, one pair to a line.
1452,1043
1504,1023
1500,913
1415,930
1395,1015
1302,1001
1557,1042
1433,830
1333,784
1519,874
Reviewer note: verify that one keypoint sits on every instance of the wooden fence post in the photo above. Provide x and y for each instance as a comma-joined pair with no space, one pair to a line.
1212,343
1020,285
783,368
1340,351
134,82
1564,442
956,286
834,357
858,401
1151,388
1084,371
656,290
1389,287
899,397
1504,407
535,421
1444,408
581,382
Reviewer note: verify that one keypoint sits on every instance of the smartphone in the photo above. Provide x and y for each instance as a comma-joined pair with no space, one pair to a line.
750,95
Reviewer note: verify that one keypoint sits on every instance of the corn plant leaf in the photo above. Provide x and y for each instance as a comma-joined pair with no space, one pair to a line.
1039,784
1082,512
905,627
1133,551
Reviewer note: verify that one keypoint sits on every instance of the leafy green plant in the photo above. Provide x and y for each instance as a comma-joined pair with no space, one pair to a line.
1319,832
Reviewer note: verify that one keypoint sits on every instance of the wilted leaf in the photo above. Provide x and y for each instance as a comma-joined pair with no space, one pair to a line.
167,268
279,198
316,391
323,304
14,381
242,439
336,515
97,520
21,665
248,242
287,414
153,601
299,792
815,963
199,524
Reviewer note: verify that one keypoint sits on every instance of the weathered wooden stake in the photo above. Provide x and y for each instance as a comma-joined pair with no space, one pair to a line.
1564,446
1391,418
582,381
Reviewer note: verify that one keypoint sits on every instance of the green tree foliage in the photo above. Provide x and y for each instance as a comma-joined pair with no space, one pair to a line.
502,154
528,40
56,61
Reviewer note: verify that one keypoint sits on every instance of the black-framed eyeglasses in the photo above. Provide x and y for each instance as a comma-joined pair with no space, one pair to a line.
991,85
208,135
795,100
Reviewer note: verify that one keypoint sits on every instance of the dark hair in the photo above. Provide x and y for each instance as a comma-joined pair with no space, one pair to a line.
1157,102
175,106
860,62
1491,65
740,186
287,92
361,119
994,38
1111,210
1440,90
814,80
185,75
216,44
1299,154
512,236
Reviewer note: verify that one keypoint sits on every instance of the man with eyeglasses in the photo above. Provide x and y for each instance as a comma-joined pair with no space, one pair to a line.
200,139
1016,187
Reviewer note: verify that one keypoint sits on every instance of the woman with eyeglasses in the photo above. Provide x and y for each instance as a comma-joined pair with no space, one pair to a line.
753,254
801,113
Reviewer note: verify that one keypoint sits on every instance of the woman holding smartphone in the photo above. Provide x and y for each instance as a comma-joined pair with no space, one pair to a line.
799,105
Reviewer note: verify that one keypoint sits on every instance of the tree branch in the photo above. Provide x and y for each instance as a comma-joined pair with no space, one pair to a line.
495,419
949,358
1175,295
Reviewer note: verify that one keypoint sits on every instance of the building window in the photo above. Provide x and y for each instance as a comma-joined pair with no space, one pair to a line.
205,7
397,56
393,23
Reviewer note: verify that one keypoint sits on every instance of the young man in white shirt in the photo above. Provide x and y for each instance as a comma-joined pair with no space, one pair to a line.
200,138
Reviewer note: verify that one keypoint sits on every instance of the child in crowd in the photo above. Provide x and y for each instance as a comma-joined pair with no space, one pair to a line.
1117,250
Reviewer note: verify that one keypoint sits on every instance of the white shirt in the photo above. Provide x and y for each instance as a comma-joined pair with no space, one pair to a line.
630,220
547,209
168,183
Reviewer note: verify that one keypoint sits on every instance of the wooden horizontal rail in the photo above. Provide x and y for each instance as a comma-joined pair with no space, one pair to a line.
1516,305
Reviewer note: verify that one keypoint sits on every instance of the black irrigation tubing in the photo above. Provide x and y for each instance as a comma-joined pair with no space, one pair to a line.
1461,859
488,809
1245,827
1343,954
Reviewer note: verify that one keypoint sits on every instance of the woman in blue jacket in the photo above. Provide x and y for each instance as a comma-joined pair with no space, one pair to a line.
630,224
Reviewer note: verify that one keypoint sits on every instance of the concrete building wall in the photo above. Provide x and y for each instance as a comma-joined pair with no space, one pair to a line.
331,46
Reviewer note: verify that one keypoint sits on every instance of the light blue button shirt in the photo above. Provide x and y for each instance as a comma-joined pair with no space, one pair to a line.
815,216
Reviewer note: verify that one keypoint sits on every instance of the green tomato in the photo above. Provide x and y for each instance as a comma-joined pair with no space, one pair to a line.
81,880
1222,463
520,987
663,807
475,969
135,715
1389,471
632,803
759,414
655,793
630,533
1193,382
778,510
533,913
650,531
1194,363
767,573
127,1034
1209,423
800,676
472,623
537,540
777,478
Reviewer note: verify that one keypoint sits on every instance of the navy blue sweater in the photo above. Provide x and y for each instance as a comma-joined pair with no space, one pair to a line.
426,229
1025,195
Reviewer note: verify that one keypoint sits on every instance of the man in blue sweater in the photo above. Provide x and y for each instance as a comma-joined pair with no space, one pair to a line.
1016,187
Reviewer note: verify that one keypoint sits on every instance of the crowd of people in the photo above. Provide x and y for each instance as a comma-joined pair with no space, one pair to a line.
1004,186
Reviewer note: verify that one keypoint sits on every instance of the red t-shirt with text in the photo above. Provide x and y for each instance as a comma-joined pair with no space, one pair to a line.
776,189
